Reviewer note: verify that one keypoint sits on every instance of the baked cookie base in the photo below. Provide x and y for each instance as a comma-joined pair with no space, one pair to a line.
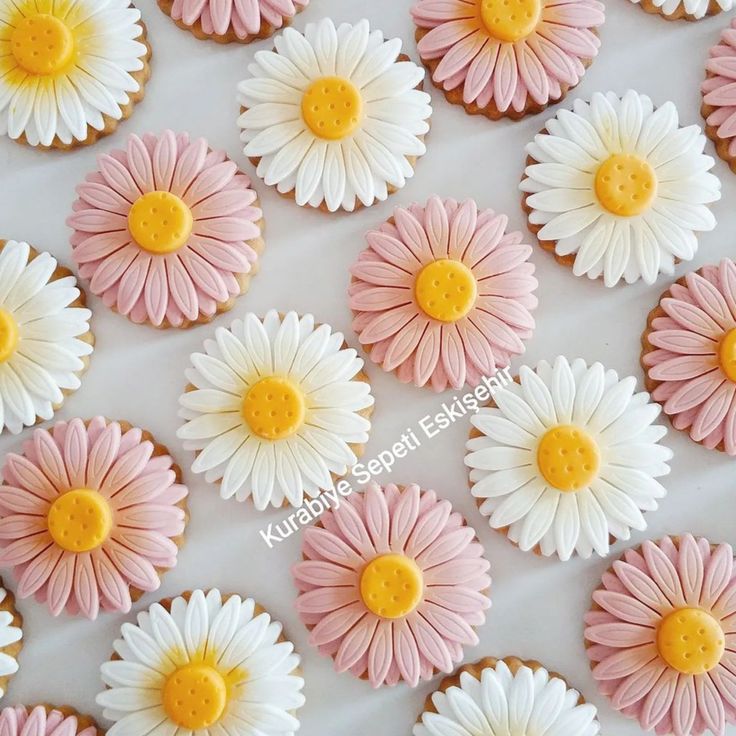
12,650
680,14
83,721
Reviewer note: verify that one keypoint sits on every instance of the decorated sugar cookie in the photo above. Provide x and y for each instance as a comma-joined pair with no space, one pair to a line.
69,71
566,459
659,636
392,585
507,58
502,697
443,294
276,409
618,190
685,9
232,20
11,638
45,337
203,663
719,98
689,355
167,231
46,720
334,117
92,515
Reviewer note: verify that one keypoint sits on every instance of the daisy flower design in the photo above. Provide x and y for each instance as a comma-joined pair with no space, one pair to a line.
660,636
11,635
567,458
391,584
45,338
616,189
507,58
167,231
498,697
334,115
43,720
70,69
685,9
202,663
443,294
90,516
690,355
275,409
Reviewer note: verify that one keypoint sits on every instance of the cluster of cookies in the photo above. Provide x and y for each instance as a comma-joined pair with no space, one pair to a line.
393,583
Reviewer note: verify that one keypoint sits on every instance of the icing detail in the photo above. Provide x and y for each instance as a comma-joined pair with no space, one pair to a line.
277,410
361,158
696,9
510,54
610,232
376,543
67,67
165,230
612,459
80,520
71,477
648,601
41,721
44,340
391,586
568,458
718,89
625,184
203,663
690,353
331,107
10,634
394,282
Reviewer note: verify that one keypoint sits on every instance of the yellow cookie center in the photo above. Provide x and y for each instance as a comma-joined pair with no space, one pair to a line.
510,20
331,107
625,185
691,641
446,290
274,408
195,696
568,458
42,44
727,355
160,222
391,586
8,335
80,520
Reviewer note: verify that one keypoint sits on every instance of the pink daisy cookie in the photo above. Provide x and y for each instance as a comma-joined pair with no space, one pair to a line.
45,720
443,294
719,95
392,583
91,513
167,231
507,58
660,636
689,355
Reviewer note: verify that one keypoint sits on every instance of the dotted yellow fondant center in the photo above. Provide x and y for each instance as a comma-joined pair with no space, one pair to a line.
42,44
331,107
80,520
8,335
727,355
568,458
625,185
446,290
510,20
160,222
274,408
391,586
691,641
195,696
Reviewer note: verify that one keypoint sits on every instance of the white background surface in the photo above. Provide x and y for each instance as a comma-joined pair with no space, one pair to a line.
137,373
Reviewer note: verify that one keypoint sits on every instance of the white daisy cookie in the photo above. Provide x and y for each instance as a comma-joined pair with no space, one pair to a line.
202,664
70,70
11,637
506,697
276,409
618,190
334,115
685,9
45,339
566,458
